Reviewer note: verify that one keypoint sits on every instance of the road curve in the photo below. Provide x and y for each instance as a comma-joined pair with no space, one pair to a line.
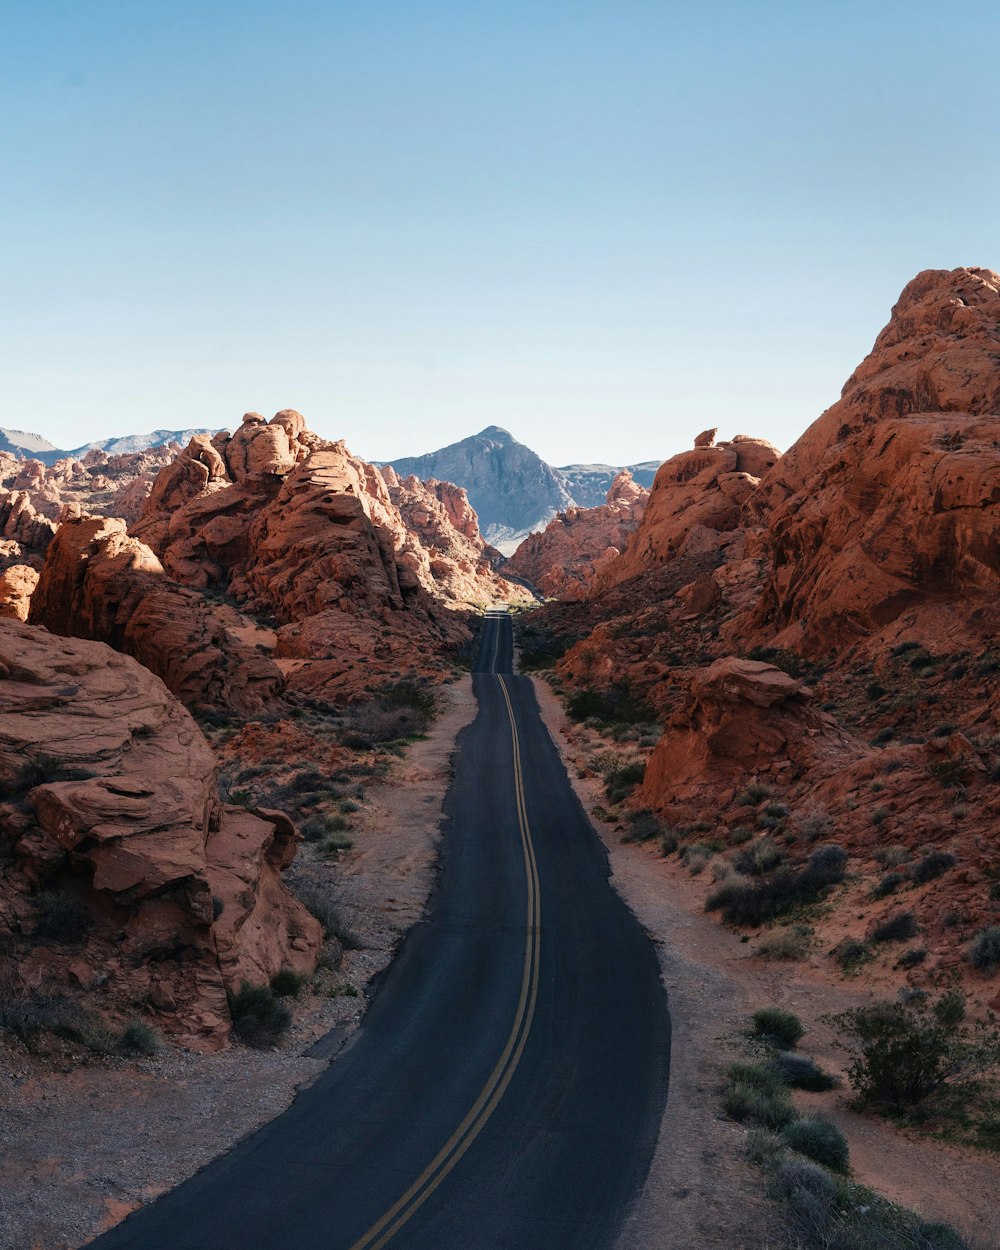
506,1087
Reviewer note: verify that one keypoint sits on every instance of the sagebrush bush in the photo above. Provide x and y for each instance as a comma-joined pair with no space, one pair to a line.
801,1072
818,1139
779,1025
889,884
754,903
851,953
259,1019
932,865
984,952
138,1038
757,857
790,942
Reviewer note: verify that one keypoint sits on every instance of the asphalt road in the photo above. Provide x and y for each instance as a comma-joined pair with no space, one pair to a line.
506,1088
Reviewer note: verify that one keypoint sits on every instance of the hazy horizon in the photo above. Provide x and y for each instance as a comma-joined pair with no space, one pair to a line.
604,228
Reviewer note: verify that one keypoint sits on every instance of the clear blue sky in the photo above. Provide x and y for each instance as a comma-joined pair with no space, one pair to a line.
604,226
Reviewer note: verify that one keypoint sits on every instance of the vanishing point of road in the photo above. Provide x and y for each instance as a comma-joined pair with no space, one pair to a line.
506,1087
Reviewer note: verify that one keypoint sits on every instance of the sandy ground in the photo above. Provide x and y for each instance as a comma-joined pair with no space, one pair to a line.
86,1143
700,1192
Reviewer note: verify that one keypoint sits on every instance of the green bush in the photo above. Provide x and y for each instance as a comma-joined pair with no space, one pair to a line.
756,1074
758,857
259,1019
818,1139
905,1050
851,954
791,942
770,1108
139,1039
778,1025
287,983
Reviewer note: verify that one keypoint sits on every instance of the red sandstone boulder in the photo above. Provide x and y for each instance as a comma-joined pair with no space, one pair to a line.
17,582
121,811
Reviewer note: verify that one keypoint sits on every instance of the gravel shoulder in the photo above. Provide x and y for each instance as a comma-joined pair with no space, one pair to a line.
700,1191
86,1141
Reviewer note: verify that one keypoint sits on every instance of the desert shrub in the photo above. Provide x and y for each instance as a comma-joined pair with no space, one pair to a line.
259,1019
62,917
851,954
814,823
948,771
668,842
617,705
778,1025
889,884
903,1051
308,779
892,856
770,1108
895,928
287,983
760,856
755,793
739,835
334,843
879,815
695,856
818,1139
138,1038
643,826
875,690
756,1074
932,865
622,778
913,957
27,1014
789,942
801,1072
984,952
753,903
764,1148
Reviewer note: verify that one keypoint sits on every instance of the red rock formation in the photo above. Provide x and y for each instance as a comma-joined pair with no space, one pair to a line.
17,581
697,497
580,543
744,721
99,583
111,799
303,531
892,498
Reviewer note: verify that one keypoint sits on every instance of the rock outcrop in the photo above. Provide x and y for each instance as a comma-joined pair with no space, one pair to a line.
17,582
696,504
892,498
100,583
111,816
574,548
743,722
302,532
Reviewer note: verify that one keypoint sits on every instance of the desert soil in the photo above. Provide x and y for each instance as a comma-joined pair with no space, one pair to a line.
700,1190
86,1141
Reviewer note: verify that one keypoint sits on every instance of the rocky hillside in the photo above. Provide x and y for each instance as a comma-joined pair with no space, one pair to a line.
589,483
817,636
564,559
128,890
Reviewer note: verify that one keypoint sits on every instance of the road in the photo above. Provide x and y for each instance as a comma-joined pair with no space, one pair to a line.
506,1088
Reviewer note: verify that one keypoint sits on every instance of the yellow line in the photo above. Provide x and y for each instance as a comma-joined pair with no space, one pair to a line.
384,1229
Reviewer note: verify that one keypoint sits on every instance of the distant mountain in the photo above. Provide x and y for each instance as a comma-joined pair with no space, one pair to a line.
589,483
511,488
34,447
21,443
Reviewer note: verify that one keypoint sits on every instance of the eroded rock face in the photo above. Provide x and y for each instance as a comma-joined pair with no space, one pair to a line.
581,543
892,498
17,582
743,721
304,532
110,799
697,497
100,583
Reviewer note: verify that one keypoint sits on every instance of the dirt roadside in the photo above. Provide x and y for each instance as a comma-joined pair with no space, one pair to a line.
700,1191
85,1145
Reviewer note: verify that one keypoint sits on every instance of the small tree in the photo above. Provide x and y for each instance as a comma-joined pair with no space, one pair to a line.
904,1051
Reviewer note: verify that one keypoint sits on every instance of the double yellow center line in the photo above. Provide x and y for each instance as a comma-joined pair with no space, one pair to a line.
384,1229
